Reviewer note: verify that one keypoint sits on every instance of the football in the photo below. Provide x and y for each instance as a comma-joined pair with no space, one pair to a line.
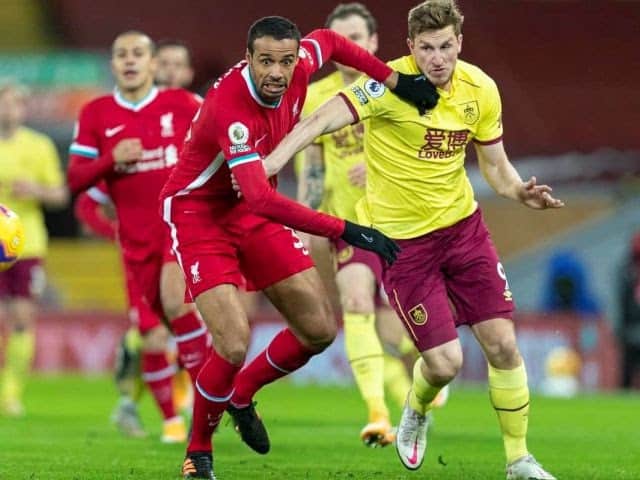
11,238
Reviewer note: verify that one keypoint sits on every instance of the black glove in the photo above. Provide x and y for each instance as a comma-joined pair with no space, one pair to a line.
417,89
370,239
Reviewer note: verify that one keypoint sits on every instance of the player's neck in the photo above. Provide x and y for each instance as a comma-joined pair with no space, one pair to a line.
349,78
135,95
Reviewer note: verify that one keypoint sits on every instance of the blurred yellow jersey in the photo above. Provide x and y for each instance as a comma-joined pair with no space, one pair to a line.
341,150
31,157
416,181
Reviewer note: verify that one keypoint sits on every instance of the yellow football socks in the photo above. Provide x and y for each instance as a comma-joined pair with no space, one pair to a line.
365,355
422,393
510,398
18,357
396,379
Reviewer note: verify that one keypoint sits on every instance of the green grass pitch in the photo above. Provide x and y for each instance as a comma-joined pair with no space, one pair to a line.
314,434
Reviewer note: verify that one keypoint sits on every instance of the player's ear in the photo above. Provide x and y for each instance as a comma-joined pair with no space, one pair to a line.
373,43
247,56
410,44
459,43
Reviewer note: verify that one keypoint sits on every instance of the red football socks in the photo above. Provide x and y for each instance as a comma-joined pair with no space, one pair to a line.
284,354
192,339
157,375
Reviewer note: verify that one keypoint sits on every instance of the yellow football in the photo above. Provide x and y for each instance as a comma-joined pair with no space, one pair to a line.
11,237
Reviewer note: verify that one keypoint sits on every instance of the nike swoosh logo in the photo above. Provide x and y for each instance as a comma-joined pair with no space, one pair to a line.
259,140
413,459
367,238
110,132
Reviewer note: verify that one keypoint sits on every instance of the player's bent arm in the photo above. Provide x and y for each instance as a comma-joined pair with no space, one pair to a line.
311,183
502,176
331,116
262,199
84,172
90,213
498,170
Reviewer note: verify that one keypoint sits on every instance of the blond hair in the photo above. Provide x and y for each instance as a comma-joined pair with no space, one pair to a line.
435,15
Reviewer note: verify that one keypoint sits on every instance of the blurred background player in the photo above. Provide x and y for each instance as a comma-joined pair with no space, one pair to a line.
95,210
30,178
333,179
130,139
174,64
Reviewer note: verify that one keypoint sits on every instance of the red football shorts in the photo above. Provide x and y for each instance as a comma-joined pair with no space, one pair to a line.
142,279
218,249
455,266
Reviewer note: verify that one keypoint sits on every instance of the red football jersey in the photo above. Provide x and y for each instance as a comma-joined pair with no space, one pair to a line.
160,121
236,128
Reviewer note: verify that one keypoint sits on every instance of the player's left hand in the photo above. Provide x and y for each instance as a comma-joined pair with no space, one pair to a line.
235,186
358,175
538,196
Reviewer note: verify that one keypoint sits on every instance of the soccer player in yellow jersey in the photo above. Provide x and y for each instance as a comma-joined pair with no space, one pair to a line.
30,177
333,179
418,193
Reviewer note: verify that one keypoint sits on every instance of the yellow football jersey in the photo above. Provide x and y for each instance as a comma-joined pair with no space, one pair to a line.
341,151
29,156
416,180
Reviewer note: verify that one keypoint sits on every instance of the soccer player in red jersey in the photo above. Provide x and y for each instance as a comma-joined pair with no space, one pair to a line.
131,140
95,210
219,238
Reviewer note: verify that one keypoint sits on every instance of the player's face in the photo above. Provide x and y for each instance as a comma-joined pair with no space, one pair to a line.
12,109
436,53
132,63
354,27
272,64
174,69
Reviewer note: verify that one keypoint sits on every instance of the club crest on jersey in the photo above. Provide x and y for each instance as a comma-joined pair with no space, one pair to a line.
374,89
238,133
166,124
418,314
470,112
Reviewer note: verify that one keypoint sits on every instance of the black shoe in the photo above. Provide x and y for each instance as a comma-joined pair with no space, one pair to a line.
198,465
250,427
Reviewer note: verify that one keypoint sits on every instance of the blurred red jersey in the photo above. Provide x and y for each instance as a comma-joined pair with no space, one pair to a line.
160,121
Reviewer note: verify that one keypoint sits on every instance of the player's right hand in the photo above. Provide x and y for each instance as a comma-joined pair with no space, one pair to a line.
417,89
127,150
370,239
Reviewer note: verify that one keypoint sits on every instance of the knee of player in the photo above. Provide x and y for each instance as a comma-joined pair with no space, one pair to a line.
155,339
443,368
357,302
502,352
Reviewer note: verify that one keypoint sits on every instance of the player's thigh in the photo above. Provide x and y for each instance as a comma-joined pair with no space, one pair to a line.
471,256
224,315
302,300
357,287
172,289
416,288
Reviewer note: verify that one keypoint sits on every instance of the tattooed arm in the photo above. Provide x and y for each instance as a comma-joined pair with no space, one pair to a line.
311,182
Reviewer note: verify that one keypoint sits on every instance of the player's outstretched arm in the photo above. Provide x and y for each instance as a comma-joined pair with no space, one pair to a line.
415,89
331,116
501,175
